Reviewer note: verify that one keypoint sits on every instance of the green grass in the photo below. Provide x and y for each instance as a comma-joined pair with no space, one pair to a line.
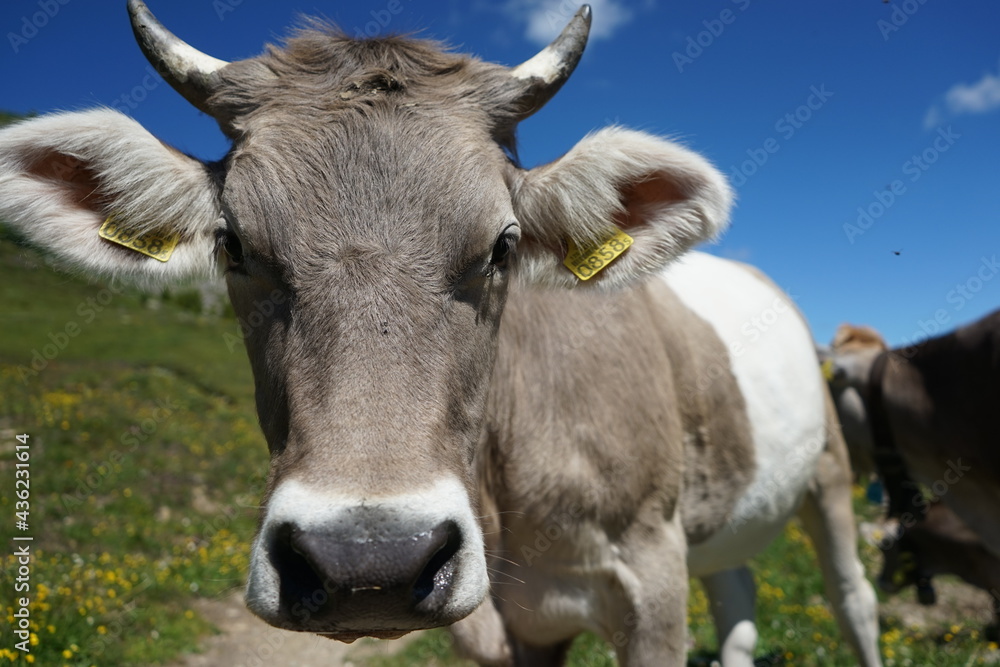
147,463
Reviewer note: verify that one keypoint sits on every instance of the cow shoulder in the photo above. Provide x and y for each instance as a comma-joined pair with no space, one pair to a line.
718,444
580,414
605,401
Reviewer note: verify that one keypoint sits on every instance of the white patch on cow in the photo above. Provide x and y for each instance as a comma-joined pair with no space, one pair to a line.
772,356
544,65
311,508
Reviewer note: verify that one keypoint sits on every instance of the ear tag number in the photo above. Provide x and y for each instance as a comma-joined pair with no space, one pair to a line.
585,263
152,244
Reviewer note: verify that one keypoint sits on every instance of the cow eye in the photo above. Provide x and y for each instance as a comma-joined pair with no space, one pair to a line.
233,249
504,248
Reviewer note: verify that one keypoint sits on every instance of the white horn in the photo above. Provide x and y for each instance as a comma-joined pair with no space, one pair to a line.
544,74
192,73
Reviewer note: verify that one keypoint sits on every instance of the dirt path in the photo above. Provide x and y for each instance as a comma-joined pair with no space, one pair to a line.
246,641
957,604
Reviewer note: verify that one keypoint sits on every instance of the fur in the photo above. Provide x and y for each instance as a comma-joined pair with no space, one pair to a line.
62,175
665,196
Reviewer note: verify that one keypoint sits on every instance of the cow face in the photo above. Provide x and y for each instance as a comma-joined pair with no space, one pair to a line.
849,359
846,366
371,215
393,267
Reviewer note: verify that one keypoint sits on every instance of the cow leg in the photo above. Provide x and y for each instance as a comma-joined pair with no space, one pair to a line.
732,597
650,627
853,599
828,518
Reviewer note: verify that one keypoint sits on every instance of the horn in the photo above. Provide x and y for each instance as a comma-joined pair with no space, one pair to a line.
191,73
543,75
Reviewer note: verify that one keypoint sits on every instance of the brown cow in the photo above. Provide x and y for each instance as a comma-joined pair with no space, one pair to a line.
927,414
940,399
613,441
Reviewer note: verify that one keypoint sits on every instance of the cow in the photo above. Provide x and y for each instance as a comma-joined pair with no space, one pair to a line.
926,414
445,401
937,401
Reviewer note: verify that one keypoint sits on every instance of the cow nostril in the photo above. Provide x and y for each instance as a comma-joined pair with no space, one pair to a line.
299,581
439,571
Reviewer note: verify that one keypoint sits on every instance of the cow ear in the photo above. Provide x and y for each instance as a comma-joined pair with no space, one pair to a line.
666,198
63,176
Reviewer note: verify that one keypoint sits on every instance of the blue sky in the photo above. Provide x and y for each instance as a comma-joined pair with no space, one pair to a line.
853,131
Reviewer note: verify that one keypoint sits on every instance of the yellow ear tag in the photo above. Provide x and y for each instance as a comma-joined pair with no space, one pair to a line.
587,262
827,367
152,244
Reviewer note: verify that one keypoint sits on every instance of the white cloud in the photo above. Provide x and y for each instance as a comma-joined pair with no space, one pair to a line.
545,19
980,97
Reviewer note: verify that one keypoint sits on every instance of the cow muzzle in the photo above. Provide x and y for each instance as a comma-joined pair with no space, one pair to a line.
348,568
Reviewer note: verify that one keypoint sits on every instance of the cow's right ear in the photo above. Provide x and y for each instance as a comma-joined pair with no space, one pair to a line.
665,197
64,175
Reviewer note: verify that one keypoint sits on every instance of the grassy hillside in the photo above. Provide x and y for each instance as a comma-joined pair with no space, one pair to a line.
147,464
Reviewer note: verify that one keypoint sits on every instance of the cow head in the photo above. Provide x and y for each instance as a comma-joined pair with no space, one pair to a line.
372,211
846,366
848,361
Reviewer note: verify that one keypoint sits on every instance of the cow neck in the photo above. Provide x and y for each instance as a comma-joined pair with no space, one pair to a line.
889,462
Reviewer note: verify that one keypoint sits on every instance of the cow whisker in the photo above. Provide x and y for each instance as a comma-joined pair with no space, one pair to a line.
492,514
506,574
506,560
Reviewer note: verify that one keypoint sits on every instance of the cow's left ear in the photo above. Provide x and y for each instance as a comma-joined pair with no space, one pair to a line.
63,176
665,197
